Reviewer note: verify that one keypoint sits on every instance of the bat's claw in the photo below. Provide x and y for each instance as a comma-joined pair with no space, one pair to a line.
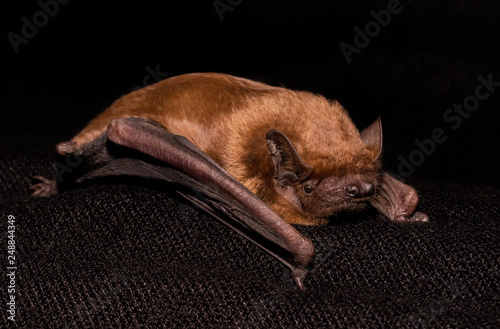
46,187
419,217
416,217
298,276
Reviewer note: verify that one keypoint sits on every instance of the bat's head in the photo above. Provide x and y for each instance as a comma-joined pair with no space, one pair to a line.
332,182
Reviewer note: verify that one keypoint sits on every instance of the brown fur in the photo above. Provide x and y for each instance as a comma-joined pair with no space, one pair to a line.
228,117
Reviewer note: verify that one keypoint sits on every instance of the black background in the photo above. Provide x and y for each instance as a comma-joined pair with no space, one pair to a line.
427,58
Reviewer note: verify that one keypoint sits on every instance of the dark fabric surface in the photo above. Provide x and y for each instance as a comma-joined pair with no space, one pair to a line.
126,255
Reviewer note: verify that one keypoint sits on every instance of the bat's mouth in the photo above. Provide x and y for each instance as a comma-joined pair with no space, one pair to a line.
348,206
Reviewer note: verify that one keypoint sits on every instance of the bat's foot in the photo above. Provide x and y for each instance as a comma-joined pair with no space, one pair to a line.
64,148
46,187
416,217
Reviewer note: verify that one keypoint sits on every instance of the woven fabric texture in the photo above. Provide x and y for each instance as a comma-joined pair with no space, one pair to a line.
125,255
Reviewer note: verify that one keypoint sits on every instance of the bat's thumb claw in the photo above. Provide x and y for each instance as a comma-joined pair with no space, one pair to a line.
419,217
416,217
298,276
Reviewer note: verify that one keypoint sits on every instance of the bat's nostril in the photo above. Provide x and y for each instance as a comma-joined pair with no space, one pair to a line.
369,188
361,190
351,190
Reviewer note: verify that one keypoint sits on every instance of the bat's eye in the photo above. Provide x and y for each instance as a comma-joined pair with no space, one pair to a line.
308,189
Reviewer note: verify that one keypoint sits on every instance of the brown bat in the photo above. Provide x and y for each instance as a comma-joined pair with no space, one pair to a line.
263,156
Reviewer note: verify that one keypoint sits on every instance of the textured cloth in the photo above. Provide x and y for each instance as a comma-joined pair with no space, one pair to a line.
118,255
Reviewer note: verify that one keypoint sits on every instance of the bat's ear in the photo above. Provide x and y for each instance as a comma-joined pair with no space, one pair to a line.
288,165
372,136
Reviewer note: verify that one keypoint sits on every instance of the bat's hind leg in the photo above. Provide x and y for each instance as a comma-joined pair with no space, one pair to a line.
46,187
64,148
87,135
93,130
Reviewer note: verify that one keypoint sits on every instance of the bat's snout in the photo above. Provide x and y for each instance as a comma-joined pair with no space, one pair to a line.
346,189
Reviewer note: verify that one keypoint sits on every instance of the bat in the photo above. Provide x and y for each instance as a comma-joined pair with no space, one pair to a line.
257,157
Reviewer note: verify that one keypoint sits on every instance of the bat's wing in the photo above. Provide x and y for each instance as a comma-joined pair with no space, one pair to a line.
141,148
397,200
